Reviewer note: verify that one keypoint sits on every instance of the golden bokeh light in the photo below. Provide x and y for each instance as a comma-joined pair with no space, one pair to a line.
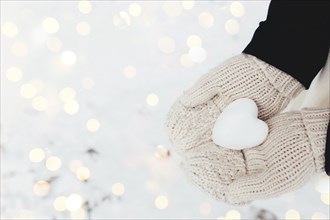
38,84
161,202
152,99
40,103
205,19
67,94
78,214
14,74
54,44
205,208
122,20
73,202
19,49
74,165
186,61
197,54
85,7
134,9
162,152
53,163
28,90
60,204
68,57
292,214
187,4
194,41
92,125
233,214
319,216
237,9
83,173
118,189
172,8
129,72
37,155
232,27
83,28
41,188
325,198
166,44
71,107
9,29
50,25
87,83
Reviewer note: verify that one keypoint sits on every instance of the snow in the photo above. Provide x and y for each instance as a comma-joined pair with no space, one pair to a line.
122,149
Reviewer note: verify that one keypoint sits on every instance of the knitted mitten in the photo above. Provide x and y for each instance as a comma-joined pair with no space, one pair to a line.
191,118
293,151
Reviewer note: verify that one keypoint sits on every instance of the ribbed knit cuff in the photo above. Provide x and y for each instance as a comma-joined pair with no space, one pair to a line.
316,122
288,86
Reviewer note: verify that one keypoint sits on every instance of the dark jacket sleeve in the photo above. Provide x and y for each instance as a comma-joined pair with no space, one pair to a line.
295,38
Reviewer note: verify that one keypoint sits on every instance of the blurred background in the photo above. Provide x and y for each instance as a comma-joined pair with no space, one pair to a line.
85,88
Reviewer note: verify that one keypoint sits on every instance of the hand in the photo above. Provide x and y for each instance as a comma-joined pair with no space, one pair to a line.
293,152
190,120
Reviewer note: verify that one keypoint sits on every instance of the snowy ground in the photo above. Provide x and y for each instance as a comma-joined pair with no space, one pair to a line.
92,82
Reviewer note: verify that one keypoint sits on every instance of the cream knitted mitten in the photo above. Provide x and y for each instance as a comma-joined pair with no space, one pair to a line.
191,118
293,151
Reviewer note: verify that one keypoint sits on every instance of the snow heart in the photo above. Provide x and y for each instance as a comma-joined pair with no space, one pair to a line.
238,126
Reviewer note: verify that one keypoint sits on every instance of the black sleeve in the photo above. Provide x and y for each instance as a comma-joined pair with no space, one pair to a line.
295,38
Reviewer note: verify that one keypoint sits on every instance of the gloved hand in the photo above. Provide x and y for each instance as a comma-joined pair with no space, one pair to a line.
191,118
292,153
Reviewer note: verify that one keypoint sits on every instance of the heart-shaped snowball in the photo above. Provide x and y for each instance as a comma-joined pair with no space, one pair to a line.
238,126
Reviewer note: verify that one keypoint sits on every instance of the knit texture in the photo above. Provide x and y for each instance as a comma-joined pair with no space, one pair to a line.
245,76
293,152
191,118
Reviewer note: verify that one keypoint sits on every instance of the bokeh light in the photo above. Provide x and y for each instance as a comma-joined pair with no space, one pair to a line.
232,27
161,202
71,107
205,208
88,83
187,4
19,49
9,29
118,189
292,214
40,103
68,57
92,125
73,202
14,74
205,19
166,44
83,173
135,9
233,215
85,7
129,72
194,41
60,204
28,90
237,9
41,188
53,163
197,54
50,25
54,44
67,94
319,216
325,198
172,8
74,165
37,155
83,28
186,61
78,214
152,99
122,20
